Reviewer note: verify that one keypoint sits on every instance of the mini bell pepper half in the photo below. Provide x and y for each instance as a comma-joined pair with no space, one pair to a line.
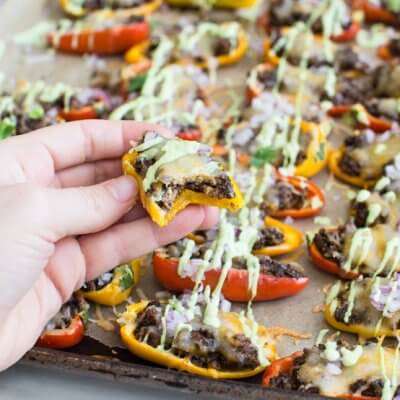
293,239
378,125
89,111
317,153
215,3
78,11
236,284
169,360
327,265
313,191
63,338
125,278
185,198
280,366
375,13
234,56
284,366
334,167
106,41
71,332
359,329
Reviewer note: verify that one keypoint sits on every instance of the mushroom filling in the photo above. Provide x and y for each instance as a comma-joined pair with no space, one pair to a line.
205,346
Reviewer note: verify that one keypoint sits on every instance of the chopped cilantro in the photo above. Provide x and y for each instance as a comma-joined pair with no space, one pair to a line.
7,128
137,83
36,113
127,278
321,152
262,156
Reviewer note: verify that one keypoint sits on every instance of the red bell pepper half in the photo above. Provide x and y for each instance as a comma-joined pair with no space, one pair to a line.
63,338
280,366
375,13
328,265
312,191
284,366
236,285
108,41
378,125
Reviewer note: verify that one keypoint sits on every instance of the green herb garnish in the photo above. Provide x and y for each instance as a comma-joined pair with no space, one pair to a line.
36,113
7,128
137,83
264,155
321,152
127,278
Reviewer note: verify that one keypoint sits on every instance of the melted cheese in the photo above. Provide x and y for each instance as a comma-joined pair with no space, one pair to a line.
365,250
373,162
368,366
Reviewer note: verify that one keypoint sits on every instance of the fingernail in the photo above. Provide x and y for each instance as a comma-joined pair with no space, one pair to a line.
123,189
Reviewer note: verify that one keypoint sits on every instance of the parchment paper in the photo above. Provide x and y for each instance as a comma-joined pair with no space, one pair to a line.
294,312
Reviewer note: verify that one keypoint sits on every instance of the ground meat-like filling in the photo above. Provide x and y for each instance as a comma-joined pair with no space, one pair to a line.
330,243
63,318
349,165
290,380
267,78
284,196
394,47
26,124
356,316
222,46
269,266
360,212
202,345
99,4
218,187
98,283
268,237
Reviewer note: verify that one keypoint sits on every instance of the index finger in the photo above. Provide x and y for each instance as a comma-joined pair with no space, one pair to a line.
76,143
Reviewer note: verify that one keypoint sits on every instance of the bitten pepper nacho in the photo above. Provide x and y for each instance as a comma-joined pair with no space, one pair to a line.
173,173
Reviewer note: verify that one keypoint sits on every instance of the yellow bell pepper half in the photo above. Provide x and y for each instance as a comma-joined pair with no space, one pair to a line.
183,200
169,360
138,53
334,160
318,151
125,278
293,239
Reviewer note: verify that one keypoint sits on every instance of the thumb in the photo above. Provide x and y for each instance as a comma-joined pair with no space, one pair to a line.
78,211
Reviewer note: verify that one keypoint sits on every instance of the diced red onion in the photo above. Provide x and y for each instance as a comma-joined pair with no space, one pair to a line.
333,369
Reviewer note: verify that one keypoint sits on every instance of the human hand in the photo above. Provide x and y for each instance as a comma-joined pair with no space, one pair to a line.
67,216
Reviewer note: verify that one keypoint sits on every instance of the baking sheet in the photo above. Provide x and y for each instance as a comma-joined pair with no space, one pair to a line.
296,312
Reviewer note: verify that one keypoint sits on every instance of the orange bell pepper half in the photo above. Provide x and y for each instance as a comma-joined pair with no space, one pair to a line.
63,338
375,13
108,41
334,167
184,199
312,191
236,285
